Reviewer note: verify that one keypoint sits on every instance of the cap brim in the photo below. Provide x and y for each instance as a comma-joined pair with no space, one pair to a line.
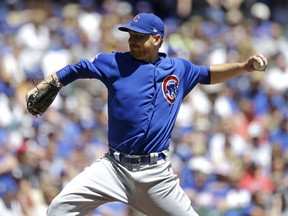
133,28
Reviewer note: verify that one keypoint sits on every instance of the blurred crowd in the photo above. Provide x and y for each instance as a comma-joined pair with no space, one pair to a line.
230,142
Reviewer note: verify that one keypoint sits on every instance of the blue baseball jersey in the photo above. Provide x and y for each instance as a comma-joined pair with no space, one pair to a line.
143,98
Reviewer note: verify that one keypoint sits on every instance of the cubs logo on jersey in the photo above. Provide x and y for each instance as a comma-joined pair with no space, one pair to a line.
170,88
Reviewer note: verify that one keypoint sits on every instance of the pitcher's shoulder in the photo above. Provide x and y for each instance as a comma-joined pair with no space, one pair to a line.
108,55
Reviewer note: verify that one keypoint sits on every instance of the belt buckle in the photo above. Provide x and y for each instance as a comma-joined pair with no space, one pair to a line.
132,159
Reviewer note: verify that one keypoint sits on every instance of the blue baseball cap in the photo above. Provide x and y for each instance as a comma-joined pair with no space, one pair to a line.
145,23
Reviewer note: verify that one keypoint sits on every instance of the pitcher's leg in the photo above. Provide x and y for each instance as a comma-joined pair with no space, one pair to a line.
93,187
161,194
174,203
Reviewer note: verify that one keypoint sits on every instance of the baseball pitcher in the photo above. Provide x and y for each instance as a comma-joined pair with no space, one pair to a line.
145,91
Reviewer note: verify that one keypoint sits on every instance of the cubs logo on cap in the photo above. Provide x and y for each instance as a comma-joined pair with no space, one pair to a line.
170,88
145,23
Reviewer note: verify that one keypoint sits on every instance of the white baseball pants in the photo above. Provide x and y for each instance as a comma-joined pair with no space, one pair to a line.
152,189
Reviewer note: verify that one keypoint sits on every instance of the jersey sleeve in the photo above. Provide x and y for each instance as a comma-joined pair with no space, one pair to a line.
194,74
97,68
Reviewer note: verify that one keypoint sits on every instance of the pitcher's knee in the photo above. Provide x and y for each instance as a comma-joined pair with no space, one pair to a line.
69,206
56,207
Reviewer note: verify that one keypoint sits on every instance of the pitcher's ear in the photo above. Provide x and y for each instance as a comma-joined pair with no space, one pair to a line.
157,39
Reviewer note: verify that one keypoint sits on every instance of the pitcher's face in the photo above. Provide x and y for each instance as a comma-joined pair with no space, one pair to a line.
142,46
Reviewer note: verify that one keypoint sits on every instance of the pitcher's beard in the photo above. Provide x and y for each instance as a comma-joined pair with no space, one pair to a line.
138,54
135,55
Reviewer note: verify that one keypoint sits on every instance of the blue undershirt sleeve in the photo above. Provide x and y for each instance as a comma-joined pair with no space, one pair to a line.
206,78
81,70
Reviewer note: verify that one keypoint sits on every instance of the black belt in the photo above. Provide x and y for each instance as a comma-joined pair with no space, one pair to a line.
152,158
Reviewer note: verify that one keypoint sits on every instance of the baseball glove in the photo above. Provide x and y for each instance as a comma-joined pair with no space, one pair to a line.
38,102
